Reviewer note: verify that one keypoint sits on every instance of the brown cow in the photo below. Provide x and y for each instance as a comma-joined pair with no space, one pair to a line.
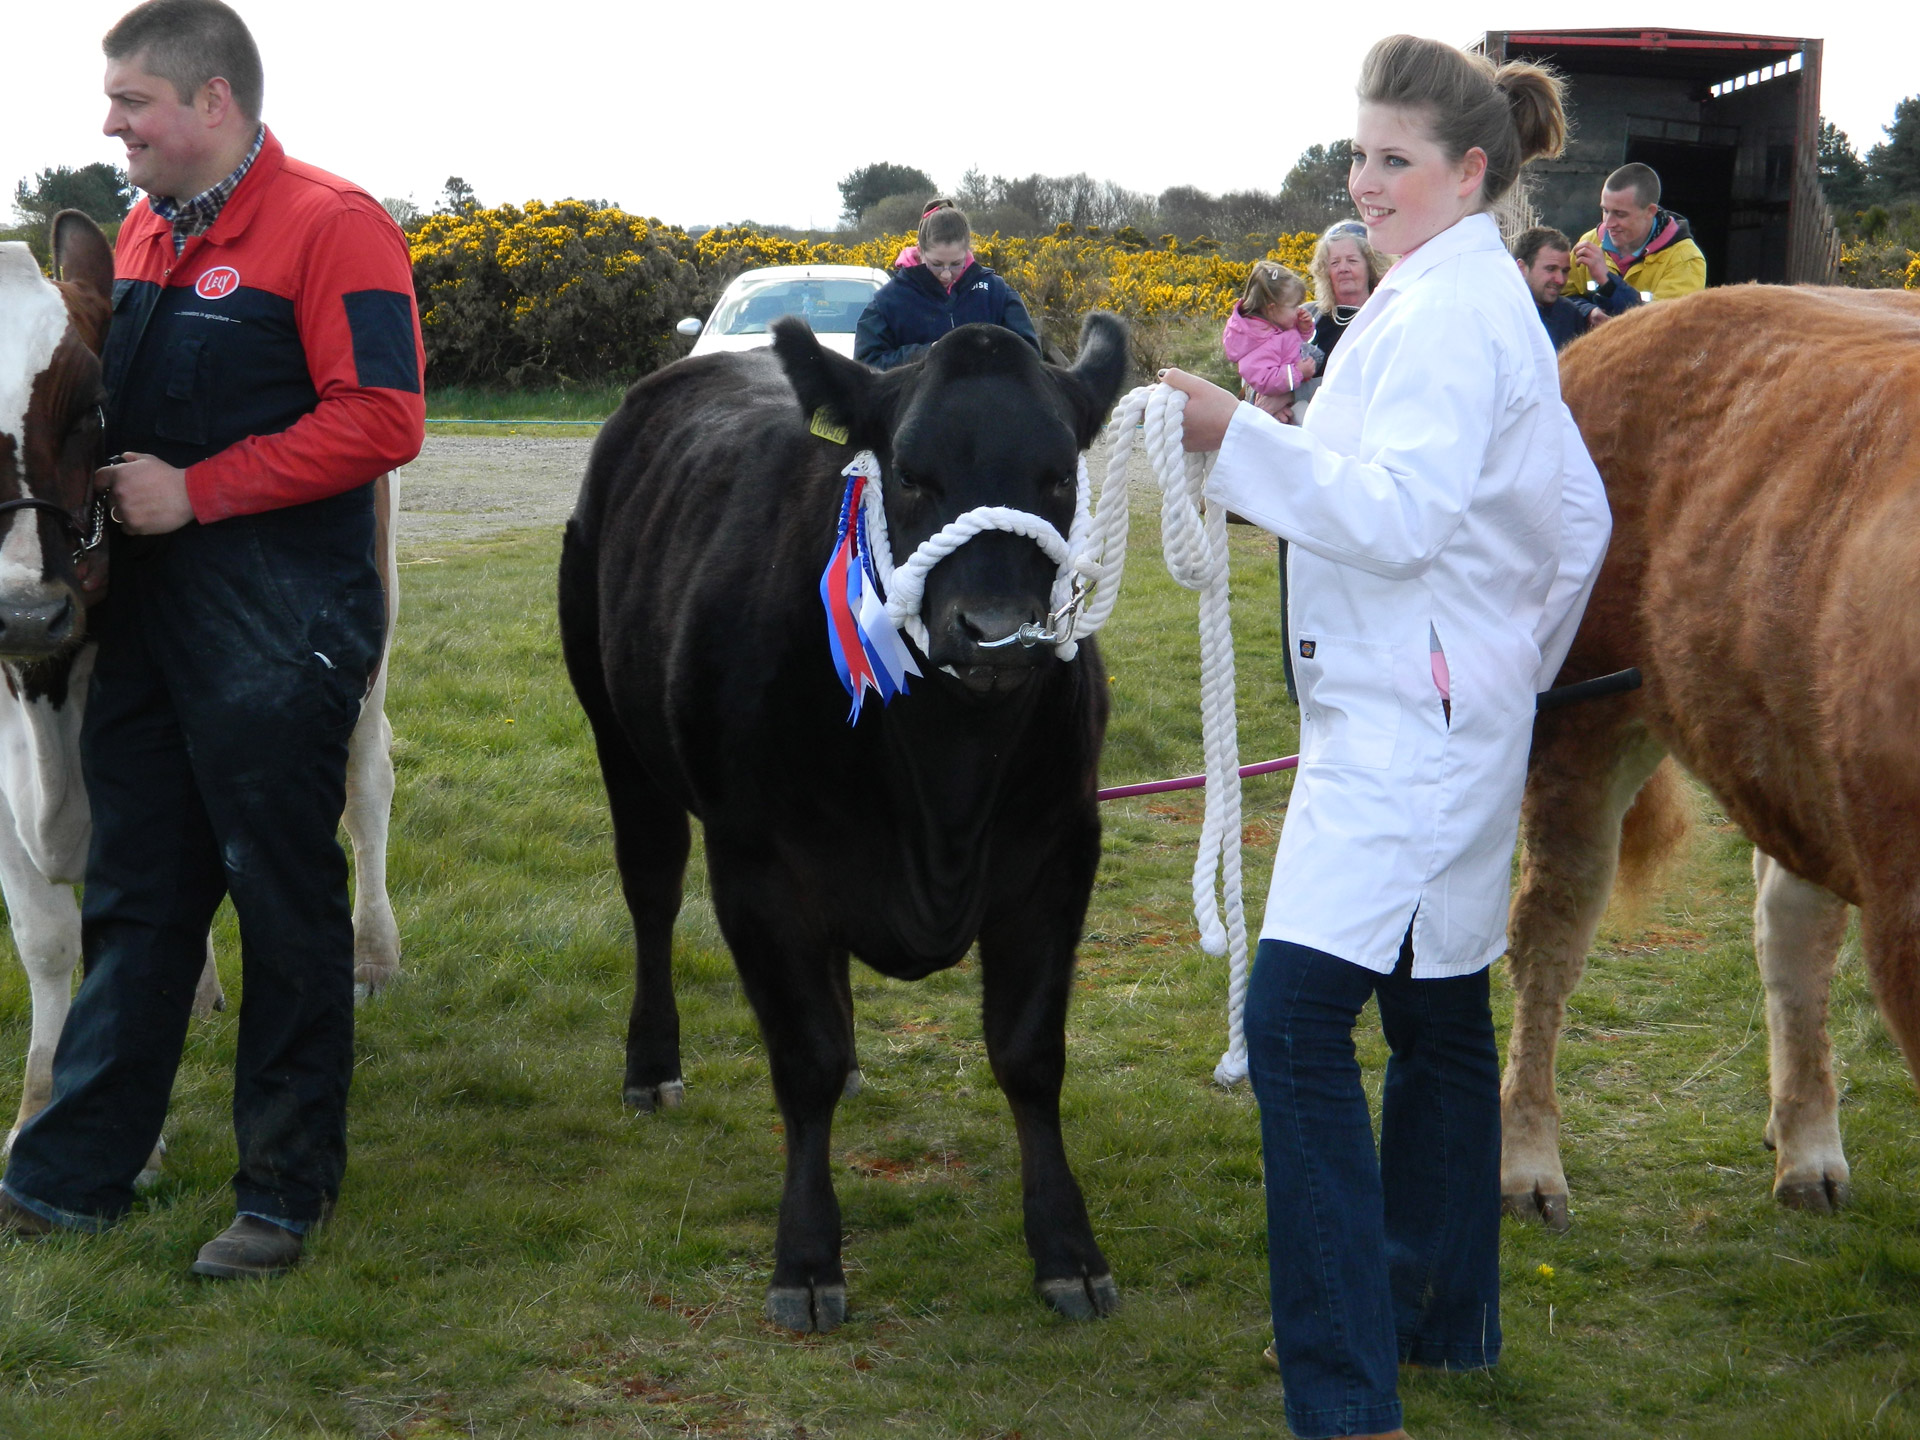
1761,448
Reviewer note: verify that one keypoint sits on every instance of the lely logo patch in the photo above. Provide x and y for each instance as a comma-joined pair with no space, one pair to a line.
217,283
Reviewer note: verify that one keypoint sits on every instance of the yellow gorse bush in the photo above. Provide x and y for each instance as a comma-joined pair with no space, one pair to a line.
1879,264
573,292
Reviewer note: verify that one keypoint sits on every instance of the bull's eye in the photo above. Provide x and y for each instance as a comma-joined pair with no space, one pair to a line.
909,481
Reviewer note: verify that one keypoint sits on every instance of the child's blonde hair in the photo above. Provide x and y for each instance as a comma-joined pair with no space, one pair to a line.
1271,283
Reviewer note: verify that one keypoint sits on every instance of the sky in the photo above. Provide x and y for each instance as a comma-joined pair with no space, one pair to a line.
703,113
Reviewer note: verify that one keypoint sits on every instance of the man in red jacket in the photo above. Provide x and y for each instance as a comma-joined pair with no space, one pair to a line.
263,367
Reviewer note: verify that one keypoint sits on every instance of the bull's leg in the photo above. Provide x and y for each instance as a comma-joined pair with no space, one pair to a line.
46,932
1890,944
207,994
651,839
369,812
1582,778
790,979
1027,971
1797,930
843,985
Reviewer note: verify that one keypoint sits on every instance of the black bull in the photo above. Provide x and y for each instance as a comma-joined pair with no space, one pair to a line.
694,633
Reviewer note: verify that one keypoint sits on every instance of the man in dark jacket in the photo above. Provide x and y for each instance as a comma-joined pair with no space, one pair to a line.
263,368
1544,256
937,287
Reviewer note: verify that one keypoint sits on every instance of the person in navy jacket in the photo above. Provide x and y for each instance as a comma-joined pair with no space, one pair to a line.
263,368
936,287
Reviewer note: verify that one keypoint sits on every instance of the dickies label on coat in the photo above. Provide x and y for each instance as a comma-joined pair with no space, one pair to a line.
1307,648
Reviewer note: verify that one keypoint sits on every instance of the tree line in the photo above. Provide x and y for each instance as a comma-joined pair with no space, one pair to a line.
886,198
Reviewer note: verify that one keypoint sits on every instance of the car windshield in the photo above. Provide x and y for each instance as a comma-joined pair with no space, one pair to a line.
831,307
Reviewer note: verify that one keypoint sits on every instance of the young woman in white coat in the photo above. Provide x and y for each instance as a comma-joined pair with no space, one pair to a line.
1445,527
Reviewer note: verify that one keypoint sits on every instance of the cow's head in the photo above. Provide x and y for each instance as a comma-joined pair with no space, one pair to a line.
50,432
980,421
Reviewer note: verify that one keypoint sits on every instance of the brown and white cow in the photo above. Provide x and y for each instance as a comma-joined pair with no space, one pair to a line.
51,440
1761,449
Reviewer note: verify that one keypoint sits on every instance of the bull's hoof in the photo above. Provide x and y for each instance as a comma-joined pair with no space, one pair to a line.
1081,1297
1822,1194
1549,1209
667,1095
809,1309
854,1085
149,1175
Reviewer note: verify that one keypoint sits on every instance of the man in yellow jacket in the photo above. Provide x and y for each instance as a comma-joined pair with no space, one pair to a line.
1637,243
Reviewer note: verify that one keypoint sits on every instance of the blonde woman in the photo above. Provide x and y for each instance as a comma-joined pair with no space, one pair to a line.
1345,269
1446,526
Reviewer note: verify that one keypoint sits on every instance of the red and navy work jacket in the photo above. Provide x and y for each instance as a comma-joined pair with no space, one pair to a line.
277,359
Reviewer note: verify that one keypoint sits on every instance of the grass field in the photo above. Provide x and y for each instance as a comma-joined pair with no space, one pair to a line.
514,1256
574,404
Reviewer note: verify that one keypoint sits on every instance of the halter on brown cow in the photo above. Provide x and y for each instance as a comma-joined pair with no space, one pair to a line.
51,441
1761,450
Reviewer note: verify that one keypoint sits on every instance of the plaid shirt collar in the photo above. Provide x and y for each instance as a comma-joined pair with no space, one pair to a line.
196,216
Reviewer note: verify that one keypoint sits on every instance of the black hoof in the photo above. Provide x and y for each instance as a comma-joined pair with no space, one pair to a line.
1550,1210
1081,1297
667,1095
807,1308
853,1086
1822,1196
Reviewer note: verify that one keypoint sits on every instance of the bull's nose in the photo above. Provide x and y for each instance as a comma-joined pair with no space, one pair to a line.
984,624
36,630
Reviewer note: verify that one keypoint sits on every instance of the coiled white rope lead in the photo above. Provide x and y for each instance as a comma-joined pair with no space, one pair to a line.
1193,535
1091,561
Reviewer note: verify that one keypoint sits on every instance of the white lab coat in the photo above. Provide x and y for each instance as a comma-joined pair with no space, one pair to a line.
1438,487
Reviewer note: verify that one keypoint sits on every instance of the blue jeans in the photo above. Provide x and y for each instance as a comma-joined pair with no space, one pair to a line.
1374,1260
233,658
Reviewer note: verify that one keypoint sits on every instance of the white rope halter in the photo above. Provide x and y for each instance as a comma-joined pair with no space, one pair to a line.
1091,560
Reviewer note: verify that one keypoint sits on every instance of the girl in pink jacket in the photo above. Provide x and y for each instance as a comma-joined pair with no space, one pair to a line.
1265,336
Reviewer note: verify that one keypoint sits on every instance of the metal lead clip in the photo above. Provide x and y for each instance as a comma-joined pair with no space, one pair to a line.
1030,634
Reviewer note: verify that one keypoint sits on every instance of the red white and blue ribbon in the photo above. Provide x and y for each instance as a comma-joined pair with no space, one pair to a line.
868,652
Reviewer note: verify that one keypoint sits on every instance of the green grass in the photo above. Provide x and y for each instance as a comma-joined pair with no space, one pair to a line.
475,402
514,1256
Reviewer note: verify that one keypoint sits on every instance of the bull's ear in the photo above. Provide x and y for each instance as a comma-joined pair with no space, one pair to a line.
837,394
81,253
1094,382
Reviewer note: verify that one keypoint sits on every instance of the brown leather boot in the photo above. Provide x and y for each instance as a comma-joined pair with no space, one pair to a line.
249,1248
17,1220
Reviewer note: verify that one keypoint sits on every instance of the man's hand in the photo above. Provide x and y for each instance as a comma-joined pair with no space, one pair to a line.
1209,410
149,496
1597,317
1594,258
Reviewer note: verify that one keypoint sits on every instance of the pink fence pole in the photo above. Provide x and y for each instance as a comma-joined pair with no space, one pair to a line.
1193,782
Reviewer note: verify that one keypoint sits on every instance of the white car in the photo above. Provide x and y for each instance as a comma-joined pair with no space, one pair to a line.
830,298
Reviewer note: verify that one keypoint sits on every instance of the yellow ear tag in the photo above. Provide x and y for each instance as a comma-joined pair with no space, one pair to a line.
824,427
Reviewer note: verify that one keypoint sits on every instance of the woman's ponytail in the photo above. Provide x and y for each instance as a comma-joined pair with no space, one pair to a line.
1534,99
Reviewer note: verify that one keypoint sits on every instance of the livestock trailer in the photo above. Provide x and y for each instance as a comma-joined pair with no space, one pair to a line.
1730,122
